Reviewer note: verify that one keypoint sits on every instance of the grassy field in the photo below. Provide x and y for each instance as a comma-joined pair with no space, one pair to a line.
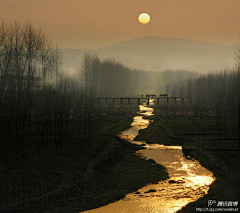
210,142
89,173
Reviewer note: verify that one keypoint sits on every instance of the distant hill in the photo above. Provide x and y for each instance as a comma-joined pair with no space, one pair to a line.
158,54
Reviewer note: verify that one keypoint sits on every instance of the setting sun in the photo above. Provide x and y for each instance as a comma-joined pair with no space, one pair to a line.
127,106
144,18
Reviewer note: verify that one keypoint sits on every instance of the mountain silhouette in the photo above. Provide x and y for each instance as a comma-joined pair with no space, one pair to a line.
158,54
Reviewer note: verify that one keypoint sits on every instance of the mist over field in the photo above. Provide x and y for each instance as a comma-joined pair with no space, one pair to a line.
62,111
119,106
160,54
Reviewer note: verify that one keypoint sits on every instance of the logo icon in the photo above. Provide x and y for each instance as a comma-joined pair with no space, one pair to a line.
211,202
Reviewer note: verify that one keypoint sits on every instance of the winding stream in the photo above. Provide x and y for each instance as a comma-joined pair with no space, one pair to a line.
187,183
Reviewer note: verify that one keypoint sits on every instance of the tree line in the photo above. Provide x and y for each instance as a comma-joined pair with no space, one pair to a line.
215,91
39,102
218,93
112,79
39,105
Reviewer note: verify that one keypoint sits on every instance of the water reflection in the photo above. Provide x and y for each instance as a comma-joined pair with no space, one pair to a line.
144,109
187,183
137,124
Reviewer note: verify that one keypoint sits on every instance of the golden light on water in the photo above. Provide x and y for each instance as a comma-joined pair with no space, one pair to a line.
144,18
188,180
191,183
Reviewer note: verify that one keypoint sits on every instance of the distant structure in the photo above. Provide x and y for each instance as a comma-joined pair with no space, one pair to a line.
163,95
149,96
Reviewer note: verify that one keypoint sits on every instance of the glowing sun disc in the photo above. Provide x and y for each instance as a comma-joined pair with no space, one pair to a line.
144,18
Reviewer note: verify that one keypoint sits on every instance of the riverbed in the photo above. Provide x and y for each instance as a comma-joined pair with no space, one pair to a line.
188,180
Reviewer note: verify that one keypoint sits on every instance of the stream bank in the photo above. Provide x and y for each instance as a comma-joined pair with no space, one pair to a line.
223,164
97,172
188,180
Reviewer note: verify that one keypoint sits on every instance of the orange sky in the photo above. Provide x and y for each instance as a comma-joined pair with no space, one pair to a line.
97,23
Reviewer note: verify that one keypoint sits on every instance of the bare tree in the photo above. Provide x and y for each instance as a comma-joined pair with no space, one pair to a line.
27,58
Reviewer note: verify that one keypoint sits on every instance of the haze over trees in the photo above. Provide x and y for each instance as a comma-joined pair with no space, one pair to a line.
112,79
159,54
37,97
46,119
46,113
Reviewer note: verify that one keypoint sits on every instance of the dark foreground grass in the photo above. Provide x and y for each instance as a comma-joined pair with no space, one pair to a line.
224,164
127,175
226,169
89,172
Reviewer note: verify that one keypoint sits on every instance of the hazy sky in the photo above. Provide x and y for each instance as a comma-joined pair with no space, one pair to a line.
97,23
